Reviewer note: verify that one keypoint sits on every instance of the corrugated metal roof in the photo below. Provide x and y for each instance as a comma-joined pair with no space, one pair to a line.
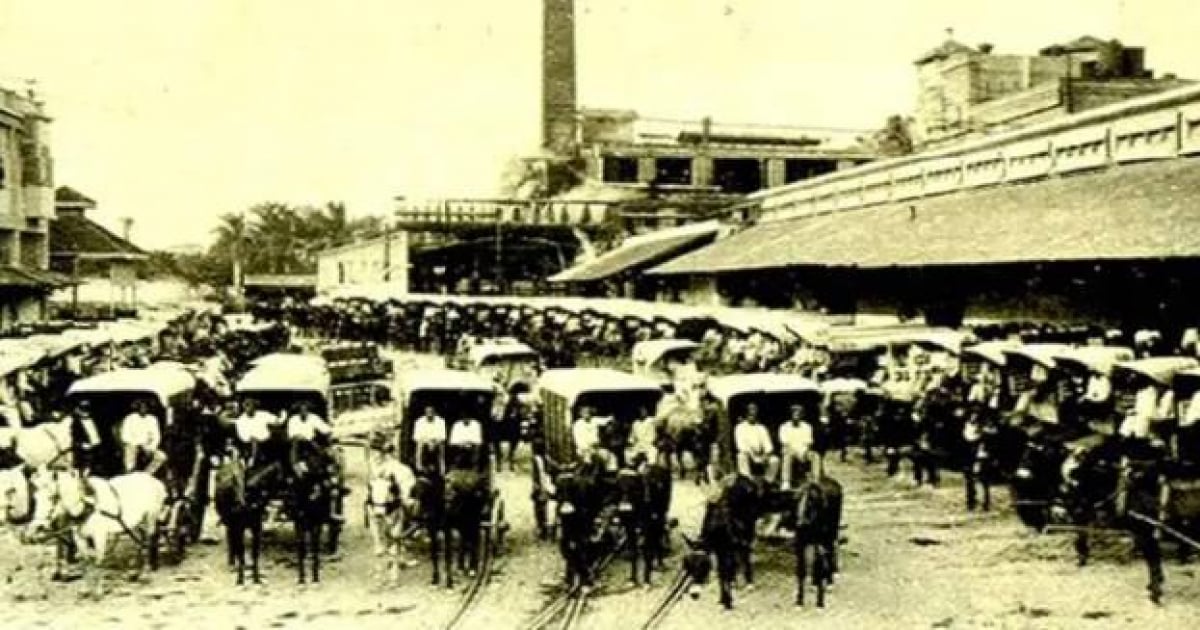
1141,211
635,255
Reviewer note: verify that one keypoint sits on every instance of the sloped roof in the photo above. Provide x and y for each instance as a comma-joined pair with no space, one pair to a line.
74,234
1142,211
11,276
637,254
946,49
68,195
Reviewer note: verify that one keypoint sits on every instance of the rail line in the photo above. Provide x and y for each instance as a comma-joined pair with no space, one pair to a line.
475,589
569,605
667,601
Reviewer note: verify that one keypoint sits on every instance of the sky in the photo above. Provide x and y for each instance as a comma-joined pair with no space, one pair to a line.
175,111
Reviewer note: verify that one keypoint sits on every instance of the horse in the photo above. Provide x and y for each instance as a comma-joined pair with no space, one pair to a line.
644,502
689,430
390,505
241,503
41,445
818,519
96,510
727,532
312,503
579,493
467,502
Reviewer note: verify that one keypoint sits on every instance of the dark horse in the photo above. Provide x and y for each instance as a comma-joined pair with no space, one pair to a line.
644,502
727,532
467,504
818,519
314,492
580,493
457,503
240,498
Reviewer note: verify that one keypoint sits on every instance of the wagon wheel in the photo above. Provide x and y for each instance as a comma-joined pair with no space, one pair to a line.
499,525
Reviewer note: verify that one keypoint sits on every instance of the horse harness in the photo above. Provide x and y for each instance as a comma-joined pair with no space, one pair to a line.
90,508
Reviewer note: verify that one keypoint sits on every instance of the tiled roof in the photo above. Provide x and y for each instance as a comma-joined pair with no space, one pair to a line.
73,234
636,256
1141,211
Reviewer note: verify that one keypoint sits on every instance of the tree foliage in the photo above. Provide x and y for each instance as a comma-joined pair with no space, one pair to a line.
270,238
895,138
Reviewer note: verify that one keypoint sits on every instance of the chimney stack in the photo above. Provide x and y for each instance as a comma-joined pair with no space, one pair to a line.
558,76
126,227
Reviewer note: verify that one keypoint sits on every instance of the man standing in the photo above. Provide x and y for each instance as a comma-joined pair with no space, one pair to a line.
429,436
140,435
754,447
795,440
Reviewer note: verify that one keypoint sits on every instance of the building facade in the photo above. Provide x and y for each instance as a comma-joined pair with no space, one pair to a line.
620,147
965,91
102,265
26,209
380,261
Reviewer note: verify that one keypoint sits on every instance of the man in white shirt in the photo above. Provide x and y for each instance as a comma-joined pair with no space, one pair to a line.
429,436
644,438
586,434
795,440
140,435
1145,406
754,446
304,425
466,441
253,425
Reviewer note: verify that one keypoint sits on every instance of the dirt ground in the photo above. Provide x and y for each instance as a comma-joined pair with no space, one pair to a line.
913,558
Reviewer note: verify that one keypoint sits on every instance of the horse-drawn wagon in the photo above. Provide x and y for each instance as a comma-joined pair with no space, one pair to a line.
165,393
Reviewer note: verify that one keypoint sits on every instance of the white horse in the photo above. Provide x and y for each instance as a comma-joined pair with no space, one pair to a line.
97,512
40,445
389,508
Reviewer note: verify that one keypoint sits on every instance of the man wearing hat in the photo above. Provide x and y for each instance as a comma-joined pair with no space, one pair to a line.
84,438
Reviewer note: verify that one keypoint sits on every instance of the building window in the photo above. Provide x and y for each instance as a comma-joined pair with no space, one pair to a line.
737,175
341,273
3,172
673,170
795,170
620,170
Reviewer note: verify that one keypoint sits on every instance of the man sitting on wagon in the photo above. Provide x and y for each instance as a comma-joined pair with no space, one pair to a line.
253,429
307,426
140,436
429,436
796,442
466,442
755,451
643,446
586,433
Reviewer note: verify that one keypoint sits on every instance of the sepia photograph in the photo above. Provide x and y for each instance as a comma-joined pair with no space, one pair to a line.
599,314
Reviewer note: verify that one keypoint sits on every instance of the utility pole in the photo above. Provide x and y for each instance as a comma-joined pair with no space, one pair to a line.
499,249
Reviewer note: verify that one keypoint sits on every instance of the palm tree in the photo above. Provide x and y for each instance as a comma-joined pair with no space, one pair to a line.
231,235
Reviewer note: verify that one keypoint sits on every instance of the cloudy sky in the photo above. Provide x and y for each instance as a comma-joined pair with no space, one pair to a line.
174,111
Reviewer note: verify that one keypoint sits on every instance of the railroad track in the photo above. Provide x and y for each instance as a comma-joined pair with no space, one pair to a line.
667,601
570,604
475,589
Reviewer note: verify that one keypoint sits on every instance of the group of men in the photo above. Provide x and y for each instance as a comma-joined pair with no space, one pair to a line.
756,452
438,448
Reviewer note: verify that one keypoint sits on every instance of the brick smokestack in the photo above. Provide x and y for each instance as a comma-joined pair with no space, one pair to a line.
558,76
